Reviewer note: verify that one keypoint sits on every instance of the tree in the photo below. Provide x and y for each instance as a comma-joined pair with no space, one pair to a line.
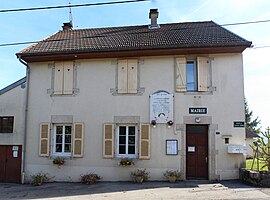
262,150
251,124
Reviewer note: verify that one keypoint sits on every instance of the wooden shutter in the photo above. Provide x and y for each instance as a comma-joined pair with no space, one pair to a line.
68,78
122,76
202,74
132,76
78,140
180,75
144,142
44,147
58,78
108,141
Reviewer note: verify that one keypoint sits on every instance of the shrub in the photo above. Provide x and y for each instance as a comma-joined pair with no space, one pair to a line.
39,179
140,175
90,178
172,175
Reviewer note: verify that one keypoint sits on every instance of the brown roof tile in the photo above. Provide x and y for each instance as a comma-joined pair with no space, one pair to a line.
168,36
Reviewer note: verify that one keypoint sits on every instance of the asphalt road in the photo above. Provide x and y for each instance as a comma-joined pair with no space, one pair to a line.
194,190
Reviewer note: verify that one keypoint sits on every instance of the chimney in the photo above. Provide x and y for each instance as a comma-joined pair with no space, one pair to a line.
153,15
67,26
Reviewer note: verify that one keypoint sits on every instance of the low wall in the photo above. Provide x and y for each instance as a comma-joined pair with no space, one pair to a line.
256,178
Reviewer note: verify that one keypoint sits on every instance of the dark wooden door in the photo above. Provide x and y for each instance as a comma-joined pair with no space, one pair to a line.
197,152
10,163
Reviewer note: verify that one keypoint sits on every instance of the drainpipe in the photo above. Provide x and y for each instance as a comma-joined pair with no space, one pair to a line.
25,116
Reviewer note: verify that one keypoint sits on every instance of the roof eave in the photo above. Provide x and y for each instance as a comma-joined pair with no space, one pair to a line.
55,56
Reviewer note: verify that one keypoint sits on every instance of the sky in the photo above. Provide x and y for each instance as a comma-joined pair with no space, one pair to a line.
36,25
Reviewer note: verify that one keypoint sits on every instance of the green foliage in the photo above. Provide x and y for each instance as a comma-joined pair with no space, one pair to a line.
251,124
90,178
39,179
126,162
58,161
261,164
262,149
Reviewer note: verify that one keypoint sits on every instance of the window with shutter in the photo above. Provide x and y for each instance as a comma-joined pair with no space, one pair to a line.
132,76
180,75
127,77
108,141
191,75
122,76
68,78
144,152
78,140
44,139
126,145
62,142
63,78
202,74
58,78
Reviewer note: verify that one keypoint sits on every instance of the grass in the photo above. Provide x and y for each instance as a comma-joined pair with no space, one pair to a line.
261,164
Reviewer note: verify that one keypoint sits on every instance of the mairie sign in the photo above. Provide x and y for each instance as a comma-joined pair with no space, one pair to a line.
197,110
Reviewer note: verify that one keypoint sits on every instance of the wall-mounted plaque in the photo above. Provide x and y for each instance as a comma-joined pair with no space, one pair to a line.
171,147
197,110
238,124
161,107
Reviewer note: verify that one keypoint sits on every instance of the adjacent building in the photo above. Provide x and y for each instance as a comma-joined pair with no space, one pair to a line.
12,107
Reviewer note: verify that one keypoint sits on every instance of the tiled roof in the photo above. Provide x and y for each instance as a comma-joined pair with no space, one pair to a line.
168,36
13,85
250,134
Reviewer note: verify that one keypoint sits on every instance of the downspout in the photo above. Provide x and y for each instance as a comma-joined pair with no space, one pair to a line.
25,116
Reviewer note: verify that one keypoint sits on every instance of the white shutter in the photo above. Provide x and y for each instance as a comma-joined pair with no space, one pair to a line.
78,140
58,78
68,78
202,74
44,143
180,75
132,76
122,76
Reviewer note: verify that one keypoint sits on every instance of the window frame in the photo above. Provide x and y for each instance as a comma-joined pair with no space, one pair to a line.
9,128
67,154
195,75
126,155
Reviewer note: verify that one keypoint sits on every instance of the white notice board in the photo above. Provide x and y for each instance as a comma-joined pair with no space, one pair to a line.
171,147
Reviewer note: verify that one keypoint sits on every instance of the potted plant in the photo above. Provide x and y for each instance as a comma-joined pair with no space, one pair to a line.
58,161
172,175
125,162
154,123
140,175
170,123
90,178
39,178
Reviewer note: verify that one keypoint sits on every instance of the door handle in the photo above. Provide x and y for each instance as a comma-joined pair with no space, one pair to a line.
206,159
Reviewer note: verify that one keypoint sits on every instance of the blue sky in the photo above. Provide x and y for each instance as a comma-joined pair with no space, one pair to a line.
35,25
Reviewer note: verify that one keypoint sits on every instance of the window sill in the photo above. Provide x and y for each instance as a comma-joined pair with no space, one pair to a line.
114,92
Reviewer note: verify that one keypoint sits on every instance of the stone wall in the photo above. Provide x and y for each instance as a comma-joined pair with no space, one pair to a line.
256,178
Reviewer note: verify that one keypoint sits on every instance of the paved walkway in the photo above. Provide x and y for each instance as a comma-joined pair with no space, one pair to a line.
195,190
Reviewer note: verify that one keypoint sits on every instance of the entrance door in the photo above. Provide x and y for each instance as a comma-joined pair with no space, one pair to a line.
10,163
197,152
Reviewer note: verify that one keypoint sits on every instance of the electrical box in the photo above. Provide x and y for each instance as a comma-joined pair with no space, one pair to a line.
237,149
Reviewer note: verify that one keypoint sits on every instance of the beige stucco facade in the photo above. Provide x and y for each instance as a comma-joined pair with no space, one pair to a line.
95,102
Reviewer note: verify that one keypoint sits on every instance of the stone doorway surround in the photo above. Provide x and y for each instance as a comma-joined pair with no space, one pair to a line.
212,149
